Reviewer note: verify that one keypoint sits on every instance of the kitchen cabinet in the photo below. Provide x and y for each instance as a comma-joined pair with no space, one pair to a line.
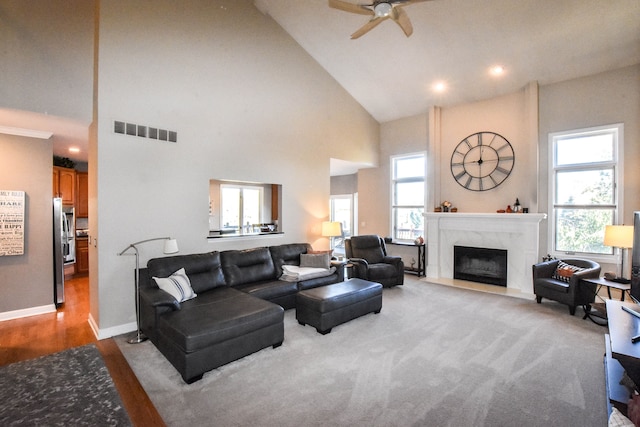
64,184
82,195
82,256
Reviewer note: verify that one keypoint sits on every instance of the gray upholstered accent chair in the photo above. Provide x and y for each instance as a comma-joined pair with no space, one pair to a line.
569,290
368,254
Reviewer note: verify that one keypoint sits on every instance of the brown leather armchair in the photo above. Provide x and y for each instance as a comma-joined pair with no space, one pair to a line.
572,292
368,254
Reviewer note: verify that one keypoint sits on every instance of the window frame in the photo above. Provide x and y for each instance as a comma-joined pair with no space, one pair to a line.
616,165
394,181
242,188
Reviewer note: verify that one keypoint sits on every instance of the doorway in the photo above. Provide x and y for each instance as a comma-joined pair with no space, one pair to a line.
343,210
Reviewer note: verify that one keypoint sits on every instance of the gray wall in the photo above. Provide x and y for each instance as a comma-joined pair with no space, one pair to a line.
344,184
26,281
46,52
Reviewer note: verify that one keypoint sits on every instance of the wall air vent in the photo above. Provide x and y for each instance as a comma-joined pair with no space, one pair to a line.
143,131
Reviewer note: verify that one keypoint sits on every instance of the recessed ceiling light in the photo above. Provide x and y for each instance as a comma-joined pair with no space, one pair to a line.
439,86
497,70
74,150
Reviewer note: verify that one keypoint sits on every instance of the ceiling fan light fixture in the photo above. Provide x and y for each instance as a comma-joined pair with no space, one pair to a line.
382,10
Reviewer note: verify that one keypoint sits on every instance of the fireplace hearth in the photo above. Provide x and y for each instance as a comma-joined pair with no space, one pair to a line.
483,265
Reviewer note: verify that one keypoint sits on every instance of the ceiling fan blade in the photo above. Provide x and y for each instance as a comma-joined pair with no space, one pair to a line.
367,27
407,2
350,7
402,19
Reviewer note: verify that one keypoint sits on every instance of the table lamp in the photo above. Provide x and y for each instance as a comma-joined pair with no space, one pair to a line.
331,229
170,247
619,236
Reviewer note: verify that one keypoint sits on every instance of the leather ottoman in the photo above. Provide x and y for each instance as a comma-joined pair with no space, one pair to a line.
331,305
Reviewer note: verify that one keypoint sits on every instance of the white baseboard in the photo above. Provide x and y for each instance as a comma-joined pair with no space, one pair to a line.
110,332
26,312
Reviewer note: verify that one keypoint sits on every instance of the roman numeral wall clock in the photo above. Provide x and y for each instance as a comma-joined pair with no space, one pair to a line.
482,161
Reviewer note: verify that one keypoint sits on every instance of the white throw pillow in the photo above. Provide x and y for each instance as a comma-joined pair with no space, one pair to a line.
177,285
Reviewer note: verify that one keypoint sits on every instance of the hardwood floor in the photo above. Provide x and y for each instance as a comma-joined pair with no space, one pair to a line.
34,336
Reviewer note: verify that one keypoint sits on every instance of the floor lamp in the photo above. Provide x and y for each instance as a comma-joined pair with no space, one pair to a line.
170,247
619,236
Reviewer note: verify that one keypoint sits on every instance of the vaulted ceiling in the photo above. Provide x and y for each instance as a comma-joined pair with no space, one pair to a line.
456,42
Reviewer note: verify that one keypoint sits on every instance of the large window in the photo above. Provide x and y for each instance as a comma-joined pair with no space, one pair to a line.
407,188
584,189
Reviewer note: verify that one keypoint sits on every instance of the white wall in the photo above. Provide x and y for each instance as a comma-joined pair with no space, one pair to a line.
248,104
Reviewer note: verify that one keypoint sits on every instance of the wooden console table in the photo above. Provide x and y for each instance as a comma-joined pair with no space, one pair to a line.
418,269
621,354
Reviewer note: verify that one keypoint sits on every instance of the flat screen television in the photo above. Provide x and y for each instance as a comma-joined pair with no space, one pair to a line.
635,257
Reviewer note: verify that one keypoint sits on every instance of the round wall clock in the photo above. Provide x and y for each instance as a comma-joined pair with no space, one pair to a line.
482,161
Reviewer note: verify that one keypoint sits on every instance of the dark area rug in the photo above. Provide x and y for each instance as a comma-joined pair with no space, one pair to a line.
70,388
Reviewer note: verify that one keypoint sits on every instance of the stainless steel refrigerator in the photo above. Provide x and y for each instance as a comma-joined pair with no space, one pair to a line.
60,250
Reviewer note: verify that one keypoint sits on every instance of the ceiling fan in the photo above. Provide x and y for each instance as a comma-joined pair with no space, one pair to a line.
380,11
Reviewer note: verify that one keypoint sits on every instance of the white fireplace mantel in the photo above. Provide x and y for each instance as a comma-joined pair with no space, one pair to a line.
518,234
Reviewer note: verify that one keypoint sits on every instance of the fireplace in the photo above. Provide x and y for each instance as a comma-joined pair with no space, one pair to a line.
482,265
516,233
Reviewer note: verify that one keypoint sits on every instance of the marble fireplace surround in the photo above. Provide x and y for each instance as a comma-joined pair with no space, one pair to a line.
516,233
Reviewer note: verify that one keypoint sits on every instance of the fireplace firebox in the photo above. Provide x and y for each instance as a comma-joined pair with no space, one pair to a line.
483,265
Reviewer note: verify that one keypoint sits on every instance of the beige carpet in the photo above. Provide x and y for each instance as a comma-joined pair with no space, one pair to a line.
434,356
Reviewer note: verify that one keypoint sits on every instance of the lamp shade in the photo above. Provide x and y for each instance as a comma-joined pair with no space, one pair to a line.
331,229
619,236
170,246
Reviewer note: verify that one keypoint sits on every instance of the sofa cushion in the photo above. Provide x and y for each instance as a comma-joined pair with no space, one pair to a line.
320,281
177,285
217,316
204,270
552,284
247,266
288,254
377,272
269,290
